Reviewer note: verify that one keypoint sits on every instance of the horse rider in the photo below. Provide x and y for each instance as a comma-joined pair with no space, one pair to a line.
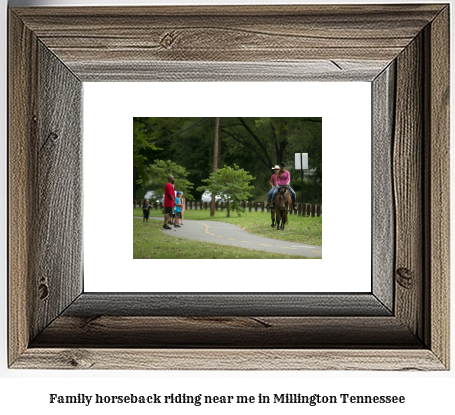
283,179
273,182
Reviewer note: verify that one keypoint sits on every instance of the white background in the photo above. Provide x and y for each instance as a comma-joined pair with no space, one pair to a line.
108,250
27,391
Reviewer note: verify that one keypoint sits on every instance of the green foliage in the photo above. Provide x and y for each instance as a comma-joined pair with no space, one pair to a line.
253,143
192,149
140,144
312,191
232,184
160,171
305,136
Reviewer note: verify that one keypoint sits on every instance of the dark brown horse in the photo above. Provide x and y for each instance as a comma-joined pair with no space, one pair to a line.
283,204
272,211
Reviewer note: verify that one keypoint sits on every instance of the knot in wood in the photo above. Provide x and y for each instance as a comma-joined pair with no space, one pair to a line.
43,291
405,278
76,359
53,136
168,39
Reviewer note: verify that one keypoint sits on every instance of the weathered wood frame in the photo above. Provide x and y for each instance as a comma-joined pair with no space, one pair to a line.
403,50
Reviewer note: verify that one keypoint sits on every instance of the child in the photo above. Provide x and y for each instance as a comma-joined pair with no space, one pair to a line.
182,199
178,210
146,210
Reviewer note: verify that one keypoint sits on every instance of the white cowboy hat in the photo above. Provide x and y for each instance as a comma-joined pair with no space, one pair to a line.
276,167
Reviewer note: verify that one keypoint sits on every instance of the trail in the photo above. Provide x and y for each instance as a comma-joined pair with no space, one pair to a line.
227,234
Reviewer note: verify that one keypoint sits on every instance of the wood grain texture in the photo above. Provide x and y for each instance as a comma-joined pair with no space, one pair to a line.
228,34
438,255
58,198
22,94
215,305
309,71
229,359
408,188
383,214
256,332
59,47
45,162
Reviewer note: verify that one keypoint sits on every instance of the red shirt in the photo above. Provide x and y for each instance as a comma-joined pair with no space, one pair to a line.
273,179
168,190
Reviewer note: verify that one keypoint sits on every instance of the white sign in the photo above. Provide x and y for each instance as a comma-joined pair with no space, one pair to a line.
304,161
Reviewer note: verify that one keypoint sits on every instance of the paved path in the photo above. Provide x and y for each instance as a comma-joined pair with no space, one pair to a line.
228,234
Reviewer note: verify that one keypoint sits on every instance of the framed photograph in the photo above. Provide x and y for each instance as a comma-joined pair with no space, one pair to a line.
108,144
401,324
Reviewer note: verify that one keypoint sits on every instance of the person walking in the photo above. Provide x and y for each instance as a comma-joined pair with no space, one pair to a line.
169,200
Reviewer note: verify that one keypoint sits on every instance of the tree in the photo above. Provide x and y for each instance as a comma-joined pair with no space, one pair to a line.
230,183
140,144
160,171
252,143
193,149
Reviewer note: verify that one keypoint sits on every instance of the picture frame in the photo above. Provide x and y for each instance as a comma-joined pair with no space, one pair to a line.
402,324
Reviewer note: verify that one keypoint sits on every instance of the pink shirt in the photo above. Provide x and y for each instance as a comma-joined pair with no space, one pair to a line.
285,178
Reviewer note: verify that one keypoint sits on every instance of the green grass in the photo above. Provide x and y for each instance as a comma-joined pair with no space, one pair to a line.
299,229
149,242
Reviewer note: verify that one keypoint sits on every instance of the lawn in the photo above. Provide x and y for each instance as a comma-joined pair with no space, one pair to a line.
299,229
150,242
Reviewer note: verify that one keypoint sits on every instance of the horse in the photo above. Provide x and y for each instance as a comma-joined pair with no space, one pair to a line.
272,214
283,204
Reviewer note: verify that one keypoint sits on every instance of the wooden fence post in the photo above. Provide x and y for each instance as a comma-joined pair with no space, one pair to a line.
262,207
205,205
313,209
222,206
318,211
